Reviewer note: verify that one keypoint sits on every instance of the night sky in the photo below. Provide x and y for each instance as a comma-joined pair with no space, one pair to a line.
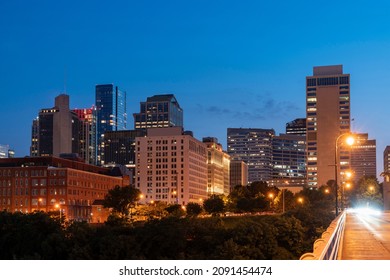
229,63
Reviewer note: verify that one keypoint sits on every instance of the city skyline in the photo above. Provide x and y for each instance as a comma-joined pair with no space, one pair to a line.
228,65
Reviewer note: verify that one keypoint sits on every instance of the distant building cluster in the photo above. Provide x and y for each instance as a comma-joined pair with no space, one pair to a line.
73,150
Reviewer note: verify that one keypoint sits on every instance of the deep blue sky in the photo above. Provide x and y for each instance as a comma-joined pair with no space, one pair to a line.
229,63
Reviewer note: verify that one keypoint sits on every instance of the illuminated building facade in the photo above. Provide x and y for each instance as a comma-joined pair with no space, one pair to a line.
111,114
159,111
327,117
254,147
289,161
87,134
171,166
297,127
51,184
218,168
6,152
363,156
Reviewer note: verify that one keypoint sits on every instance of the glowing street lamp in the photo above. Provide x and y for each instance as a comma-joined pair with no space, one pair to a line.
349,141
59,208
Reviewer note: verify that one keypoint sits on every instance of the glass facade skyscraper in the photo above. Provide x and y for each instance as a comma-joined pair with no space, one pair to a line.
111,114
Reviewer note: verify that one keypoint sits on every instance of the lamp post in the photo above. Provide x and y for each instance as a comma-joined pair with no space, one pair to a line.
350,141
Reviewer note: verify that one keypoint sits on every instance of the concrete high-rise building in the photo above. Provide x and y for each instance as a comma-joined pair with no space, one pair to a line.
6,152
297,127
111,114
289,161
386,159
87,134
159,111
171,166
34,148
363,156
254,147
238,173
56,130
327,117
218,165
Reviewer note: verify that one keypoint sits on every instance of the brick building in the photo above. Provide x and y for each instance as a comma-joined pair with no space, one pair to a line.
51,184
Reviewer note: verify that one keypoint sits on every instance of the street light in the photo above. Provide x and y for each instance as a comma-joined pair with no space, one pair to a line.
350,140
39,200
59,208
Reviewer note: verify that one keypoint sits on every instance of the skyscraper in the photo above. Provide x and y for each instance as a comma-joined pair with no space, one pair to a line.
56,130
327,117
111,113
254,147
87,134
159,111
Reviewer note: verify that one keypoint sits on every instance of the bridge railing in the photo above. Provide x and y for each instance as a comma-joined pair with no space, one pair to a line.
329,245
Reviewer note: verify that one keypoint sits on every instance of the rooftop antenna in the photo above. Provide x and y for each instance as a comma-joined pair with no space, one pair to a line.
65,79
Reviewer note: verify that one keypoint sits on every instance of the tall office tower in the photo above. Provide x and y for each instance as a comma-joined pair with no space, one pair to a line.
289,161
119,147
254,147
363,156
6,152
386,160
171,166
238,173
218,165
87,132
34,148
328,117
56,130
159,111
111,113
297,126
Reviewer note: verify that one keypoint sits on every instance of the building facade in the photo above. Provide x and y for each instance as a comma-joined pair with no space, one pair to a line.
6,152
288,160
50,184
327,117
87,134
363,156
56,130
254,147
159,111
386,159
297,127
218,168
111,114
238,173
171,166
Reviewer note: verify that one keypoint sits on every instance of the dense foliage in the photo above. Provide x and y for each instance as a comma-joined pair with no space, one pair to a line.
38,236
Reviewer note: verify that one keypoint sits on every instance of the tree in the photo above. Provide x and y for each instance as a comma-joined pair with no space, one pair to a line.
368,192
122,200
175,210
193,209
214,204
